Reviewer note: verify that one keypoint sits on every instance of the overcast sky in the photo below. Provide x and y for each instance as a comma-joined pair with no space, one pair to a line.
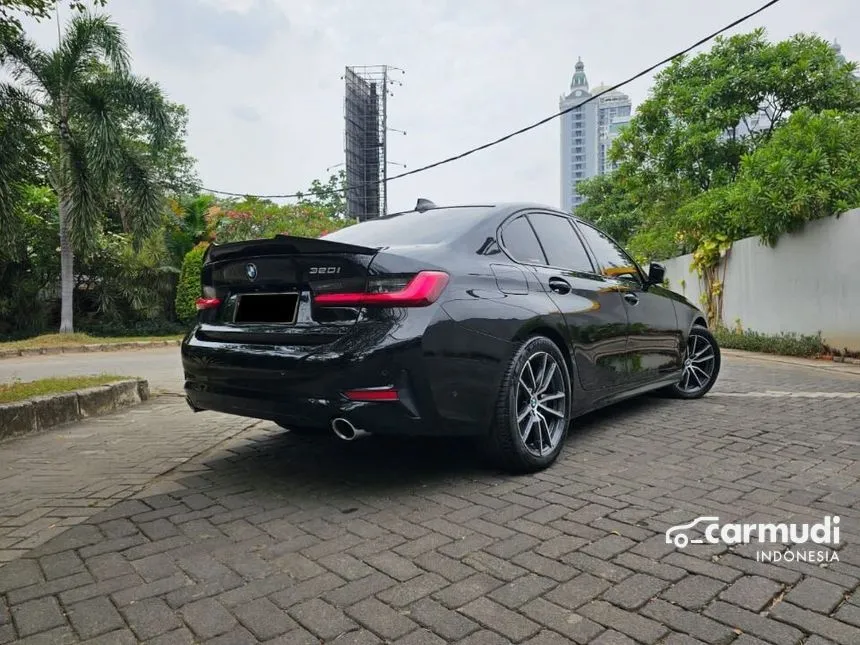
262,78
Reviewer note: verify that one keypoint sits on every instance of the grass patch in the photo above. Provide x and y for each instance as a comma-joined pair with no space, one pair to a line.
73,340
21,390
785,344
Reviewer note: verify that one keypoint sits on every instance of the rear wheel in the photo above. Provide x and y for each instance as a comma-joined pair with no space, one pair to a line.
701,366
533,408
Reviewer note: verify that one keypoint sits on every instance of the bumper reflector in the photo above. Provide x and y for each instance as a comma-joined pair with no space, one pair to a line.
373,394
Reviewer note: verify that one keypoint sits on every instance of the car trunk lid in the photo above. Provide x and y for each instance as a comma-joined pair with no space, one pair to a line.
261,291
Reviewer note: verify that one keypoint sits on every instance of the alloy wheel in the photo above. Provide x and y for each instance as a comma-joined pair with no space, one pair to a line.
541,404
699,364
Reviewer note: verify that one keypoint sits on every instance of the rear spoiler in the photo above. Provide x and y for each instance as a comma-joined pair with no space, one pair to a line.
281,244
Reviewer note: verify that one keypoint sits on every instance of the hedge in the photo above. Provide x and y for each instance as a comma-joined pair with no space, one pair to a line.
189,289
786,344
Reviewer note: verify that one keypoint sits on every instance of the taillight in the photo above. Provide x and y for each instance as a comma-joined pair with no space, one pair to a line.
208,303
421,290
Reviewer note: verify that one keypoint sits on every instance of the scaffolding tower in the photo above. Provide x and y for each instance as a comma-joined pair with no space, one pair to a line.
365,142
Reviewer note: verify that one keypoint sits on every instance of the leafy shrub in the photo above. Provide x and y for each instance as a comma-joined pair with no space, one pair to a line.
185,225
786,344
120,285
189,289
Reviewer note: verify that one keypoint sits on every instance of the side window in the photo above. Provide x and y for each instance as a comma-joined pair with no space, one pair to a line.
615,263
520,241
560,242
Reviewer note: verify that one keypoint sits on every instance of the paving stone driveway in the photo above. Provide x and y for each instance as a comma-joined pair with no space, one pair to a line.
272,538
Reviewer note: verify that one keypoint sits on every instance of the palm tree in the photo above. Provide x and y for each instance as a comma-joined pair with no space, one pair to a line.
82,93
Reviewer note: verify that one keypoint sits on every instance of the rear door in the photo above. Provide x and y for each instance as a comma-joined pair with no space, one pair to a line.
595,316
655,342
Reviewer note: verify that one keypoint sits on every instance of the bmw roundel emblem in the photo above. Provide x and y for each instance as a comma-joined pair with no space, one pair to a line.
251,271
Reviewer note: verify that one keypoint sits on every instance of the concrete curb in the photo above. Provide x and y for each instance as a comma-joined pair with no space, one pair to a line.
846,359
832,366
78,349
43,412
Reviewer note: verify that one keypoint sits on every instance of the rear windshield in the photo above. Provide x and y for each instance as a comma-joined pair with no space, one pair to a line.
437,226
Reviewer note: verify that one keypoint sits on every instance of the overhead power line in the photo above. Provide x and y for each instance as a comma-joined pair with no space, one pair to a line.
525,129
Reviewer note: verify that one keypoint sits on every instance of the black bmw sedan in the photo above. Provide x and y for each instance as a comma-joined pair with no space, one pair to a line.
497,322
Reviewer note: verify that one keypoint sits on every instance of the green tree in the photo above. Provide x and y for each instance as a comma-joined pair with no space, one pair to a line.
12,10
681,153
807,170
81,107
29,263
329,197
173,166
18,160
609,205
695,125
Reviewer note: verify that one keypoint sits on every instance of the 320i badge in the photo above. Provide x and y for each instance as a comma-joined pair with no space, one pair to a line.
498,322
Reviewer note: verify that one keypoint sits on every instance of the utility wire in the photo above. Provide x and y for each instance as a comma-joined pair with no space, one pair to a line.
516,133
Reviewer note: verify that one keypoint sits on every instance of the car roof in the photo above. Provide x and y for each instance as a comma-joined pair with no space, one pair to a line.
449,228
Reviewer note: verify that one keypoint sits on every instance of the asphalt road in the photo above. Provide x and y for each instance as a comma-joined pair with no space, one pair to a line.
161,367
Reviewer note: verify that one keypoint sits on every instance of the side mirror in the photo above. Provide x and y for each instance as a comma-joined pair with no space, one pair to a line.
656,273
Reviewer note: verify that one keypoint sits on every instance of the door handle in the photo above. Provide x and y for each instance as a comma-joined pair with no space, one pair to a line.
632,298
559,285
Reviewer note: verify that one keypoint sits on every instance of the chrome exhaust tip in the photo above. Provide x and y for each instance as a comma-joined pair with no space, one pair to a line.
345,430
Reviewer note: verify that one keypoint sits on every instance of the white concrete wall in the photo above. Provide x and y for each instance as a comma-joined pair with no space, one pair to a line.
809,282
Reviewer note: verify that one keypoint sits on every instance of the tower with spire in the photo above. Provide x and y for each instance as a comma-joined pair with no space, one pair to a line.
579,77
587,131
837,48
578,137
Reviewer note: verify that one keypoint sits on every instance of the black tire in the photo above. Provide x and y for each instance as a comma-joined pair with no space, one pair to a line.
681,389
505,444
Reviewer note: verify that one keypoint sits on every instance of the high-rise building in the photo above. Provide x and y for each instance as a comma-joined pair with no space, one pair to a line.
613,129
613,113
587,131
579,146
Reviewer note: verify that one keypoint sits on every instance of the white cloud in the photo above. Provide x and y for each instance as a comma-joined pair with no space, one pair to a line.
261,78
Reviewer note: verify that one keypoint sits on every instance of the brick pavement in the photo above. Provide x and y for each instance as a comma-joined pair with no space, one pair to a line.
273,538
56,479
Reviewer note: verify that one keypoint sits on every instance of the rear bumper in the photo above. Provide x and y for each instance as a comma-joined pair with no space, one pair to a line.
273,383
382,417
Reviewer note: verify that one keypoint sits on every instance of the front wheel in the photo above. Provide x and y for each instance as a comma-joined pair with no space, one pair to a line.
701,366
533,408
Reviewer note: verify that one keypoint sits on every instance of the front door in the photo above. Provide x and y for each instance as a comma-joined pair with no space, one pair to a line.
655,343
